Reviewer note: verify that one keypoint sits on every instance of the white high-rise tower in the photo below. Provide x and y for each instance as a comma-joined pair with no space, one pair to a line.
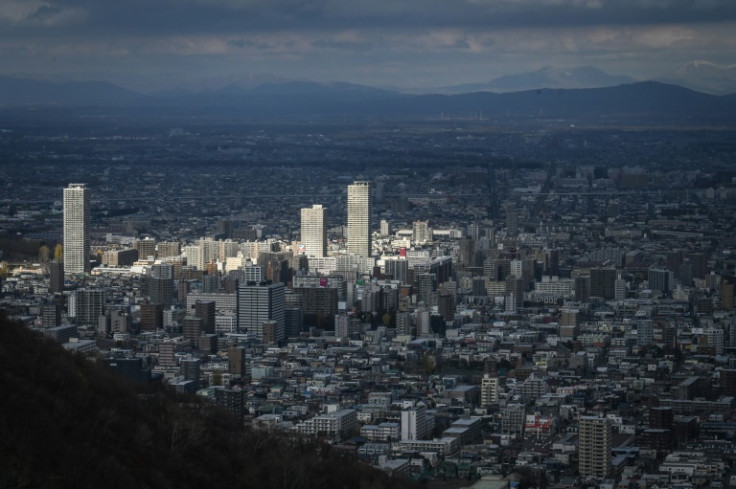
76,229
360,206
314,231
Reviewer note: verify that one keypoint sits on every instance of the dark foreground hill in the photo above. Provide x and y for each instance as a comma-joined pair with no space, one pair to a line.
65,422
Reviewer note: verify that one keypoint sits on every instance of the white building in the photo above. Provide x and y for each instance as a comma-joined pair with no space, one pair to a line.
416,423
314,231
360,204
337,424
76,229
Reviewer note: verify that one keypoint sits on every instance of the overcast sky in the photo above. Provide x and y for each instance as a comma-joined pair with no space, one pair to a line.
149,44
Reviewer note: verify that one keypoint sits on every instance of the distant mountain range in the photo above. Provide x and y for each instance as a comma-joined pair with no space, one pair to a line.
624,101
704,76
547,77
18,92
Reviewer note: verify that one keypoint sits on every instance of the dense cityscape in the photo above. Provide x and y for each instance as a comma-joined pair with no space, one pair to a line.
464,302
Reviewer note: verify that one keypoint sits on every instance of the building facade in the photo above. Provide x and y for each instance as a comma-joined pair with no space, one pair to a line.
259,303
360,207
314,231
594,447
76,229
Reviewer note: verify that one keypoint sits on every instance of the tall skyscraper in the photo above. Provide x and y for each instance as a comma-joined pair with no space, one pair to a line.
76,229
594,447
360,206
314,231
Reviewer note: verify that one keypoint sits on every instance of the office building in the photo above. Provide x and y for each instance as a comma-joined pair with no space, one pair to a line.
146,248
594,447
416,423
426,288
76,229
56,283
512,219
660,279
318,305
314,231
205,310
258,303
489,390
192,328
50,315
293,321
159,284
421,232
236,361
88,306
359,218
603,283
152,317
398,269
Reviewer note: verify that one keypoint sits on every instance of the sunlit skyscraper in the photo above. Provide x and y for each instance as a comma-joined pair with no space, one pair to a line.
314,231
360,206
76,229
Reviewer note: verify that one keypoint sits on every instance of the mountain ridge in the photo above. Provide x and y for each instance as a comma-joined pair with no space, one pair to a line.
653,101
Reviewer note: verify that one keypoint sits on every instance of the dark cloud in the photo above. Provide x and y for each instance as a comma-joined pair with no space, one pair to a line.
355,39
157,17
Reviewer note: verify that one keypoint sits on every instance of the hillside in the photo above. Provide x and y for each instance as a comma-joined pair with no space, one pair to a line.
68,423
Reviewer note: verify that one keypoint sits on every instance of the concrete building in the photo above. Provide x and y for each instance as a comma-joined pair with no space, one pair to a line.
416,423
594,447
337,424
159,284
314,231
360,207
88,306
258,303
76,229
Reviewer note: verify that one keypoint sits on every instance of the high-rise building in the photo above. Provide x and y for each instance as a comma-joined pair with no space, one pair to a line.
146,248
660,279
88,306
416,423
620,288
512,219
236,363
56,284
314,231
398,269
420,232
159,284
192,328
359,218
50,315
594,447
76,229
319,305
259,303
152,317
603,283
489,390
426,288
205,310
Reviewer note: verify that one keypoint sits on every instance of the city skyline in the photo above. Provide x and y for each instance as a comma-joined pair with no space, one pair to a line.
210,43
